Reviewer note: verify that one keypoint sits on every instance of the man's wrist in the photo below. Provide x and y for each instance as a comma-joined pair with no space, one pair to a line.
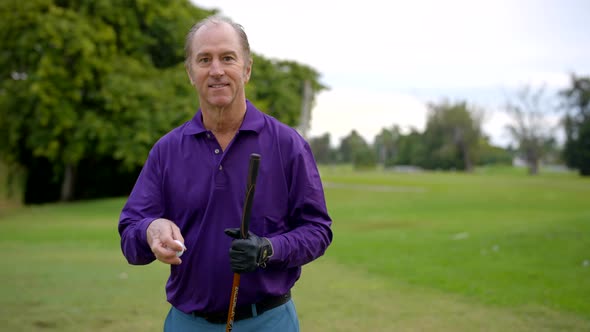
266,252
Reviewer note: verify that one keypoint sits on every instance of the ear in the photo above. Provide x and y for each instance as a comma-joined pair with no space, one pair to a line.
248,70
188,72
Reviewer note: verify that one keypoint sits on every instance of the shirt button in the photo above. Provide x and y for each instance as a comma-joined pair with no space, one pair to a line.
220,167
216,151
208,135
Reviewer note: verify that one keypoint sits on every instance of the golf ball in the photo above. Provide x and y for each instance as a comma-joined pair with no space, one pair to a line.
179,253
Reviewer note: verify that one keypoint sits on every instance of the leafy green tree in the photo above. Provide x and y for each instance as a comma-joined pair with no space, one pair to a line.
277,87
354,149
493,155
322,150
83,82
452,135
349,144
365,159
53,60
576,98
386,145
411,149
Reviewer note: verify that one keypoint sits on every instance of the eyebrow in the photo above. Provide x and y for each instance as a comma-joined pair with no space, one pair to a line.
202,54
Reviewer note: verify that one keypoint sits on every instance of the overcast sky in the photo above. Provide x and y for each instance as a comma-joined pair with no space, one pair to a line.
385,60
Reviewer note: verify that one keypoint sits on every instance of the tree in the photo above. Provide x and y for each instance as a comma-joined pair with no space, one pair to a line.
86,82
529,128
62,65
452,135
411,149
277,87
350,144
354,149
385,145
322,149
576,98
493,155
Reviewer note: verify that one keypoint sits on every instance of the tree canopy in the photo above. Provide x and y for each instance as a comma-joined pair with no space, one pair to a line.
452,135
92,80
577,124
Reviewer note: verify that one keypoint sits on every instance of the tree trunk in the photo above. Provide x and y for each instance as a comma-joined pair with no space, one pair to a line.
67,185
533,163
466,158
533,168
464,148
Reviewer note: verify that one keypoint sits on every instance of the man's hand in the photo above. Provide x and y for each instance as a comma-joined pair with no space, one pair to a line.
161,234
246,255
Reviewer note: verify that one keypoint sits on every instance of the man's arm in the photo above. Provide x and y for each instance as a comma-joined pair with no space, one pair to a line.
311,234
143,206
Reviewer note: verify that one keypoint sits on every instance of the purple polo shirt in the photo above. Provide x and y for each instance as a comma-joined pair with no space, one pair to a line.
188,179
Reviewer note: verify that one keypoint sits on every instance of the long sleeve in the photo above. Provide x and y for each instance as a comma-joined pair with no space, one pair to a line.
143,206
311,234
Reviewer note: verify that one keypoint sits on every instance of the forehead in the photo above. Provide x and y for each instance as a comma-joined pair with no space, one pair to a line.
216,37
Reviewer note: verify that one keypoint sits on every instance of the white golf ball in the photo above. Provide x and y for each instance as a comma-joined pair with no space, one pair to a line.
179,253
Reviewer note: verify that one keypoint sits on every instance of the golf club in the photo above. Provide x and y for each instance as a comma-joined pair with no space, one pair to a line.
252,175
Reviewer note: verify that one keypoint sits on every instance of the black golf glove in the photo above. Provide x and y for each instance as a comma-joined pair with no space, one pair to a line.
248,254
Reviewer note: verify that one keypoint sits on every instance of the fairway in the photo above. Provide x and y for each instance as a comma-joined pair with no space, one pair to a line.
491,251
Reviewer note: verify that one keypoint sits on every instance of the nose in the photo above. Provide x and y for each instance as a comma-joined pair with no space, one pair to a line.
216,68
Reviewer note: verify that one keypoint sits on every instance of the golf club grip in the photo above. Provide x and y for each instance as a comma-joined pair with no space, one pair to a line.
250,189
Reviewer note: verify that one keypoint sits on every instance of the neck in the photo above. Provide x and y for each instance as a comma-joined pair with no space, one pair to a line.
224,120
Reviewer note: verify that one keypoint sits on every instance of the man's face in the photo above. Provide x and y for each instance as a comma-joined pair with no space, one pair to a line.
218,68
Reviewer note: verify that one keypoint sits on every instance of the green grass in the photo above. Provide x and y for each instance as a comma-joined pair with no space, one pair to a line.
503,240
65,272
491,251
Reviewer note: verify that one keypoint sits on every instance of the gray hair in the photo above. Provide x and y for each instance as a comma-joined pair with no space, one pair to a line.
215,19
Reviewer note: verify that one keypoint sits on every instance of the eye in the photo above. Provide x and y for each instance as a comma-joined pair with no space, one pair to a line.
203,60
228,58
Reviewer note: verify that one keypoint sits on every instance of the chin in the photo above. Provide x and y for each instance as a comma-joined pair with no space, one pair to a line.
219,102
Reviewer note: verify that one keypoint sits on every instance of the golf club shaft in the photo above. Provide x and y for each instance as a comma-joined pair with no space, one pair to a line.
245,225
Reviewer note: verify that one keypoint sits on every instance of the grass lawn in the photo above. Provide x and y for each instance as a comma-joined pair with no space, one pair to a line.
491,251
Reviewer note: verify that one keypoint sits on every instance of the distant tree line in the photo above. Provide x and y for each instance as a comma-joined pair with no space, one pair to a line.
453,138
87,87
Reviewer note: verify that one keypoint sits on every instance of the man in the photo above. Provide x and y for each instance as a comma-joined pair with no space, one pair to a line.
192,189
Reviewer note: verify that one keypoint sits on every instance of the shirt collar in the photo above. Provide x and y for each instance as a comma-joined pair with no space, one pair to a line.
253,121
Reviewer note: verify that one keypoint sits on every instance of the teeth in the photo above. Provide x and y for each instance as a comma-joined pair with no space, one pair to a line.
217,85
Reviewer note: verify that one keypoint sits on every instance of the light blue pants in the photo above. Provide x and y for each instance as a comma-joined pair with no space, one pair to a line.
282,318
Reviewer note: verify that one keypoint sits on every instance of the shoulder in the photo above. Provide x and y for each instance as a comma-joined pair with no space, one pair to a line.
171,138
292,149
286,136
